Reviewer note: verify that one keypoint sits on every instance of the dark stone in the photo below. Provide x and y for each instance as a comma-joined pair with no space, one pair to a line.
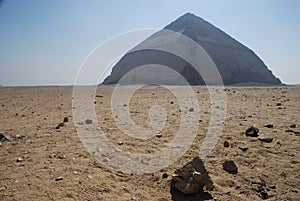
252,132
191,178
293,126
278,104
60,125
264,195
59,178
269,126
226,144
243,148
230,167
3,137
165,175
191,109
158,135
66,119
88,121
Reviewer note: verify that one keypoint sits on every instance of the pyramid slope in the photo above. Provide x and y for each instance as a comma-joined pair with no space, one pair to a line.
235,62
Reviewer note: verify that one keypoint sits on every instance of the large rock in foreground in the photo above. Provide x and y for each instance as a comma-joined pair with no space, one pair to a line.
236,63
192,177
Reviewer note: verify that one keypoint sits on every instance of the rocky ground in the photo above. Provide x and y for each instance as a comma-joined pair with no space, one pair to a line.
42,157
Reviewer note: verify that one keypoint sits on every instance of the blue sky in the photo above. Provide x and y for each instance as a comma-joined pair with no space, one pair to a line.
45,42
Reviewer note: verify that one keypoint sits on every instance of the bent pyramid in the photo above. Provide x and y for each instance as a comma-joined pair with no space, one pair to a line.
236,63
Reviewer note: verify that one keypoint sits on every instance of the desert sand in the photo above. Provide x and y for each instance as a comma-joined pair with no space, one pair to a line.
41,162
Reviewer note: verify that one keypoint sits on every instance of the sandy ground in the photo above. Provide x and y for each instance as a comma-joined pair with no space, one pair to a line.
29,116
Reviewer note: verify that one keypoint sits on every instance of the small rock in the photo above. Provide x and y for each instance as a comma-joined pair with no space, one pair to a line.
19,160
252,131
226,144
2,188
278,104
88,121
120,143
158,135
191,109
59,178
60,125
243,148
4,138
165,175
66,119
265,138
230,167
289,131
293,126
89,176
264,195
269,126
75,172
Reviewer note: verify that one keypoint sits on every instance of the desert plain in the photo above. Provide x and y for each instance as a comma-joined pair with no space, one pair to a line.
40,161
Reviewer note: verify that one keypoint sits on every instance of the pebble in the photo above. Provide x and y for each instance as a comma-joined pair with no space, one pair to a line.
19,160
120,143
230,167
243,148
158,135
252,131
60,125
293,126
269,126
2,188
191,109
88,121
59,178
3,137
165,175
265,138
226,144
66,119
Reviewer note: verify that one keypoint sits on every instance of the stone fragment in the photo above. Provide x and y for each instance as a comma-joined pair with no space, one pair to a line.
265,138
230,167
226,144
88,121
252,131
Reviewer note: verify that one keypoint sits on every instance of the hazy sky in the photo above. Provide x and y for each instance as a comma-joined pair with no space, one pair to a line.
44,42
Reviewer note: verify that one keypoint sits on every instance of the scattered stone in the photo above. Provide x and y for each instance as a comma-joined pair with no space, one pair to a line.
158,135
66,119
226,144
59,178
165,175
243,148
269,126
89,176
60,125
2,188
120,143
88,121
19,160
252,131
265,138
230,167
62,156
4,138
172,102
289,131
191,178
0,143
293,126
278,104
191,109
